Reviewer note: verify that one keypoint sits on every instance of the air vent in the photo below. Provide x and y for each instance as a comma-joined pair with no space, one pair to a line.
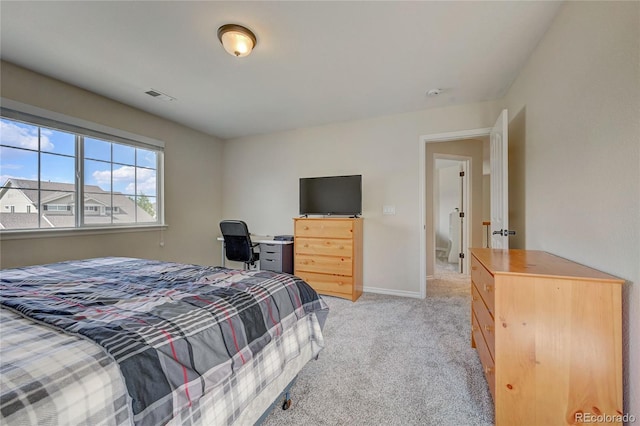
159,95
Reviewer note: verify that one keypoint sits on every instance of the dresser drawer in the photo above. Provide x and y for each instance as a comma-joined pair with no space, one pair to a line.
484,283
327,283
485,357
324,246
486,322
324,264
270,252
330,228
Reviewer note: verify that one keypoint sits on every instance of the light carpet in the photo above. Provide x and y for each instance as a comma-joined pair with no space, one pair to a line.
394,361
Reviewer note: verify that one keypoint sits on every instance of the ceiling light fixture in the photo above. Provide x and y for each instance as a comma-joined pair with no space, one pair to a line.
236,39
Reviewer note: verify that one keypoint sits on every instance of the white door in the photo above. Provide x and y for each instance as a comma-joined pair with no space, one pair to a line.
500,183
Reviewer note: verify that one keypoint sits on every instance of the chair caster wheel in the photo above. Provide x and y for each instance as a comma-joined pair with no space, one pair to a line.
286,404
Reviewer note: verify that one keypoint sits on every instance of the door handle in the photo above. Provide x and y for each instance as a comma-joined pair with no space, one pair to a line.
504,232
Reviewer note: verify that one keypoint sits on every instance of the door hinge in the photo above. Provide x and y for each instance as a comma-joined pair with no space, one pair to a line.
461,174
461,255
461,214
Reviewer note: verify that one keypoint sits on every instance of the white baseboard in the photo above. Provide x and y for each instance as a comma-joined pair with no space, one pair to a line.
401,293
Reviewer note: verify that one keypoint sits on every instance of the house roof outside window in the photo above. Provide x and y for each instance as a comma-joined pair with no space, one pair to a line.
57,194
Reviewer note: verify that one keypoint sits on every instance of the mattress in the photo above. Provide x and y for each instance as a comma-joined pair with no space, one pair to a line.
122,341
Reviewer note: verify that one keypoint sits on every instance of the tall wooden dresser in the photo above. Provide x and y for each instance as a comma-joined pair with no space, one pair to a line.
328,255
549,335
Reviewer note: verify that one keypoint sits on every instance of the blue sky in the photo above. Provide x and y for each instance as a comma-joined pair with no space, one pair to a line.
19,159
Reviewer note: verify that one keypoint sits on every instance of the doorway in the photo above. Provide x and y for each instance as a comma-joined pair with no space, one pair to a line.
459,143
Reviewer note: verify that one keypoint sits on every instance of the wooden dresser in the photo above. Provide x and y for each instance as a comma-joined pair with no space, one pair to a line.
328,255
548,333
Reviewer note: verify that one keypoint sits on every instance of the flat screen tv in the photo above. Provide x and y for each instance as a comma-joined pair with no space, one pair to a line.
331,195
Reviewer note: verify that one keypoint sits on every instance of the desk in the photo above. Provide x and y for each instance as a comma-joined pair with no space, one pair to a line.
275,255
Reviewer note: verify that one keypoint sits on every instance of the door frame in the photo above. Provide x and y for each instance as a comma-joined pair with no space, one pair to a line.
466,203
422,186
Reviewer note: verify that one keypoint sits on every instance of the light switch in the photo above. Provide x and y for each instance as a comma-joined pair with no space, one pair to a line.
388,210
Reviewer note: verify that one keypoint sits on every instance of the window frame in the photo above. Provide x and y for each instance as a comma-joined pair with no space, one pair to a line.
13,110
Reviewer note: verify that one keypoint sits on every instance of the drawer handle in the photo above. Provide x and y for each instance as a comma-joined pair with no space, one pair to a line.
341,247
306,245
488,328
474,328
488,370
488,288
306,228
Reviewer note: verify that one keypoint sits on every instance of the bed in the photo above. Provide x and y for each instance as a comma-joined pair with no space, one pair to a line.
123,341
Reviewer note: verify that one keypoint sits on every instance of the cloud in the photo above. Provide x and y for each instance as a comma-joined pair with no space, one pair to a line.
15,135
127,174
146,182
12,166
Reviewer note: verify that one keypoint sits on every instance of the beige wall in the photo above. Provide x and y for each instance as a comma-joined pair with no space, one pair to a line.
468,148
193,173
576,107
261,176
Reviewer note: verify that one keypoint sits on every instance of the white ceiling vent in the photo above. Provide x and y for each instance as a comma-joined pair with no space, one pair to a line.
159,95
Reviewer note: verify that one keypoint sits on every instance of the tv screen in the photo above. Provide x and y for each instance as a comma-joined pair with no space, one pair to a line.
331,195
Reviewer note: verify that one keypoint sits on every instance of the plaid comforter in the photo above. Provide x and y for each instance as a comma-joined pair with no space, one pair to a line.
175,331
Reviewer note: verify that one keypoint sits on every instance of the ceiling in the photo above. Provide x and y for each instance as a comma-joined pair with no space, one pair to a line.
315,62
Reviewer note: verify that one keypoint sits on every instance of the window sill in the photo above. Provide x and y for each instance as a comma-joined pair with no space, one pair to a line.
22,234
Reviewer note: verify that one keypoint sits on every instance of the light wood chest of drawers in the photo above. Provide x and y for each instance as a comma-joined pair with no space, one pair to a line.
549,335
328,255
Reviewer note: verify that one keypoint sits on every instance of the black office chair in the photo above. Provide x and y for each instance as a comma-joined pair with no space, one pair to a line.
237,242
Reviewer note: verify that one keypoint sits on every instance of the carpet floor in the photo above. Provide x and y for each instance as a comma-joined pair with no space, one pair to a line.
394,361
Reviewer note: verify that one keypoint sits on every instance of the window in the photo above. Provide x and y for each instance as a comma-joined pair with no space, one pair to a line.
57,175
56,208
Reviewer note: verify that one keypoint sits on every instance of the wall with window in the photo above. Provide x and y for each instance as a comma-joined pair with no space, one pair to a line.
192,171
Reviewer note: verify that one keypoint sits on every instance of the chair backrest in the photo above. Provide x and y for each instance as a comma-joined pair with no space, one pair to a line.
237,241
